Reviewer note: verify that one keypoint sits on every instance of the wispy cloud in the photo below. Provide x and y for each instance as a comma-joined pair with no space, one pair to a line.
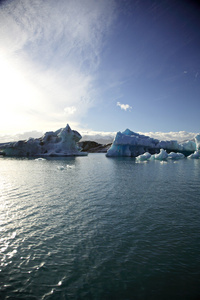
54,47
124,106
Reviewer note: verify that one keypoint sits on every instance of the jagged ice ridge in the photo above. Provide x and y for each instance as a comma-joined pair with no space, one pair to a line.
62,142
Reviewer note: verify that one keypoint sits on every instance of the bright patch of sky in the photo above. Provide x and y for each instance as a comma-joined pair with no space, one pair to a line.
99,65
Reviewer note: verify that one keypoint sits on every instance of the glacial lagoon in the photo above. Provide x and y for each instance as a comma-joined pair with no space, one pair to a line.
99,228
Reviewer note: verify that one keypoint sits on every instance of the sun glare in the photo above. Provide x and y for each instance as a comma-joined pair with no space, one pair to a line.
18,97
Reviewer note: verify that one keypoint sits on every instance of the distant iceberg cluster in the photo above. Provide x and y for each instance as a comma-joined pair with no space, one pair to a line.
65,142
62,142
129,143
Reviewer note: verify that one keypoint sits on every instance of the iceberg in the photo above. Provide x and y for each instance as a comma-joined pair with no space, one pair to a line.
129,143
195,155
62,142
160,156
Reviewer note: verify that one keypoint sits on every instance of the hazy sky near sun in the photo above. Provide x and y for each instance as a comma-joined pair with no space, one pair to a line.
99,65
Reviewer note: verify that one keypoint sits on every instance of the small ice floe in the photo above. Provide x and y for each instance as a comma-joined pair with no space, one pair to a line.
40,159
173,155
60,168
160,156
143,157
195,155
69,167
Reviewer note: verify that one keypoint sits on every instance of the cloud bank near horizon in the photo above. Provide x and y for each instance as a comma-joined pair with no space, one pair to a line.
49,58
104,137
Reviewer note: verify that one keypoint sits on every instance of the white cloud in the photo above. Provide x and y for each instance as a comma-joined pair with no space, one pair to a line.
180,136
124,106
102,137
108,137
98,136
70,110
20,136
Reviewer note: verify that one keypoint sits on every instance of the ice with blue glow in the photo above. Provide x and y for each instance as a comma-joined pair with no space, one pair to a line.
129,143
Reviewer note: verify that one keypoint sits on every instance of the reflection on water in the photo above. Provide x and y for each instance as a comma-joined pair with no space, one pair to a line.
99,228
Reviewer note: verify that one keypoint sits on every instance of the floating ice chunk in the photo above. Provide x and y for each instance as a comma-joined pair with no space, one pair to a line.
162,155
60,168
40,159
174,155
144,157
69,167
196,154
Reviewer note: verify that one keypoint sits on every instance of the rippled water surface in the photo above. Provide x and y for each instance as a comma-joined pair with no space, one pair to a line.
99,228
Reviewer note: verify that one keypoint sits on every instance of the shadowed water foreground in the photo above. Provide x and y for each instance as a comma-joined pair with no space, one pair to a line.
99,228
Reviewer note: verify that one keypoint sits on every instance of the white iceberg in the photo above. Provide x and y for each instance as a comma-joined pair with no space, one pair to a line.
62,142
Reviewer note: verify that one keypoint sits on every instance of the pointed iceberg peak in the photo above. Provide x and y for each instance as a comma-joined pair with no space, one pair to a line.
68,128
65,130
129,132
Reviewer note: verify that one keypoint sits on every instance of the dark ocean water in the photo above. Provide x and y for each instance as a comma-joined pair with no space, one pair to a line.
99,228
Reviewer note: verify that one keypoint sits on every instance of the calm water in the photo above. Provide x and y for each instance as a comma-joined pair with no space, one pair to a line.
99,228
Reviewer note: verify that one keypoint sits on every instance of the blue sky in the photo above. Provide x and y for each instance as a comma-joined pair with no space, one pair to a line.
99,65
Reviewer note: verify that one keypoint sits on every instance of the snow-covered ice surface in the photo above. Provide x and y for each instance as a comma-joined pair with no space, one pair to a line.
62,142
129,143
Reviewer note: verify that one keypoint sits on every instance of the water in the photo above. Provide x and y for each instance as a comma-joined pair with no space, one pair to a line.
99,228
